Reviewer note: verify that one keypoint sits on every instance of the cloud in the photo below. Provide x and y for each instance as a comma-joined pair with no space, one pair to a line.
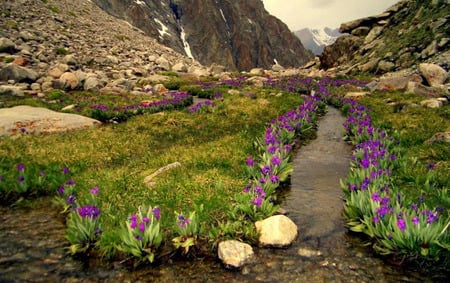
298,14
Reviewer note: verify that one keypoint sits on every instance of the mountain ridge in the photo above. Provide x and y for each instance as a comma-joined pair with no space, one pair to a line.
316,39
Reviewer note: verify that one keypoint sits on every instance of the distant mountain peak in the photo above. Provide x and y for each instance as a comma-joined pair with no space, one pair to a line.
315,39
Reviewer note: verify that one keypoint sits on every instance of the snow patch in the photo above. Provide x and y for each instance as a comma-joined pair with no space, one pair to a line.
163,30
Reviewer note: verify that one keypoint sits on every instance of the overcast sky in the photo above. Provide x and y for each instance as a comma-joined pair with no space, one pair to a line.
298,14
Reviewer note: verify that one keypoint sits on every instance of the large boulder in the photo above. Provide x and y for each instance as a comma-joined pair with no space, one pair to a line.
433,74
276,231
6,45
18,74
27,119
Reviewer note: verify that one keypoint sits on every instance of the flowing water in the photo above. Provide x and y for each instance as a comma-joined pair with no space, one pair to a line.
32,244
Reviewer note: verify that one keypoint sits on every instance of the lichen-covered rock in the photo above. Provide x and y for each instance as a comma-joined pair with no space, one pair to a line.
434,74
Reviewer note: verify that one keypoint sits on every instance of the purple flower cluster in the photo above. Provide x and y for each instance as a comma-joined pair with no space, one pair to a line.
183,221
89,211
201,105
142,222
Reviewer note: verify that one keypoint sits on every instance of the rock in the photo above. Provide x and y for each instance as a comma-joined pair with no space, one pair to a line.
257,81
360,31
58,70
235,254
180,67
92,84
11,90
276,231
385,66
432,103
369,66
69,81
29,119
373,34
420,89
397,80
440,136
70,60
433,74
18,74
355,95
277,68
20,61
257,71
6,45
199,72
306,252
163,63
159,89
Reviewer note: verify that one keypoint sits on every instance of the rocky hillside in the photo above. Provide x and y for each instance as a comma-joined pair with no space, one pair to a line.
73,44
238,34
316,39
408,33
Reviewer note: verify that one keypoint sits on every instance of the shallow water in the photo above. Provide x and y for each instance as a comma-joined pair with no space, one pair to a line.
32,243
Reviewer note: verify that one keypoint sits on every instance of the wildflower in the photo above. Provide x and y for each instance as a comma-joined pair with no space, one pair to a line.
61,190
274,179
88,211
401,224
275,160
41,174
142,226
94,190
20,167
133,224
70,182
262,180
21,179
376,197
431,166
247,188
266,170
65,170
257,201
415,220
70,199
145,219
1,178
250,161
183,221
376,219
156,212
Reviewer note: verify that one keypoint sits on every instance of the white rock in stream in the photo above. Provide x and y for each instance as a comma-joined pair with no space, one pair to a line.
235,254
276,231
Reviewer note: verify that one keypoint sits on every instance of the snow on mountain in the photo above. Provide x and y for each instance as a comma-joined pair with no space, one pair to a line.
316,39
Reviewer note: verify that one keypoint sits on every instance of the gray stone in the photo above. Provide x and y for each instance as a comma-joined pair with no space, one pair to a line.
29,119
398,80
373,34
361,31
432,103
6,45
163,63
433,74
420,89
385,66
276,231
92,84
235,254
180,67
11,90
257,71
277,68
18,74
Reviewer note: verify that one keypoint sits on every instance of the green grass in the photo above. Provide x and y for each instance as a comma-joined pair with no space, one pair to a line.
211,147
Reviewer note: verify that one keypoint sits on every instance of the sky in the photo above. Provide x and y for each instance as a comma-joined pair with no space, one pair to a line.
298,14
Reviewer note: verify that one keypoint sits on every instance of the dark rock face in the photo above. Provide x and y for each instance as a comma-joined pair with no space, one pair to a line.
239,34
408,33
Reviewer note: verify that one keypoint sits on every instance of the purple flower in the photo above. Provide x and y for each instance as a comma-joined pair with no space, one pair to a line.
94,190
262,180
61,190
70,199
401,224
431,166
156,212
1,178
275,160
41,174
65,170
20,167
21,179
266,170
376,197
376,219
133,224
142,226
250,161
145,219
183,221
70,182
89,211
274,179
257,201
415,220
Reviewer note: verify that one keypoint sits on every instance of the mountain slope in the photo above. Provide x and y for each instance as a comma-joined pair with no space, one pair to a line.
406,34
239,34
